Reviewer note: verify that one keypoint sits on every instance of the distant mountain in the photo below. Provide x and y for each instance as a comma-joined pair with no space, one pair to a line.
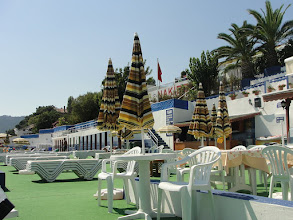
9,122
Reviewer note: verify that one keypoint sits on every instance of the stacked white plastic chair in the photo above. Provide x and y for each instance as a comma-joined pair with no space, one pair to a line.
199,179
277,156
130,174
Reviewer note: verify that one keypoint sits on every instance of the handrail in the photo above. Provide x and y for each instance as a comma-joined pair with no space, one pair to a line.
153,137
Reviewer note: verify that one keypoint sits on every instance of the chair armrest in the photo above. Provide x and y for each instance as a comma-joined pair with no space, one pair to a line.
104,163
165,166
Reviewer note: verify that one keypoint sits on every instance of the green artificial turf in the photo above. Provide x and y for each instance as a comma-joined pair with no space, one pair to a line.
66,198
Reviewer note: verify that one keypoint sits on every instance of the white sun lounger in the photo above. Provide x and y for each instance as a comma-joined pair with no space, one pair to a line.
19,163
83,154
9,156
49,170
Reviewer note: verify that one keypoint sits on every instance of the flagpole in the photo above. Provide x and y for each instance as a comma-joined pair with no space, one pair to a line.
158,79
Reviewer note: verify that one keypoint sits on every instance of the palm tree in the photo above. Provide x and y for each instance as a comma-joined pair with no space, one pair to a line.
241,48
271,32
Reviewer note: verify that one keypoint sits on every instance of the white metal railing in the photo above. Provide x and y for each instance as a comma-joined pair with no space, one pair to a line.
153,137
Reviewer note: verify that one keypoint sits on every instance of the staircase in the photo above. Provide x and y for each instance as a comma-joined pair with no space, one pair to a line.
156,138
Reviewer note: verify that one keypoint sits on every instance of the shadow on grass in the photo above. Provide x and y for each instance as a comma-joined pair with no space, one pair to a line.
63,180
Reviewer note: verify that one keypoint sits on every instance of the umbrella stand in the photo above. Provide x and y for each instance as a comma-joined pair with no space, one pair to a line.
142,141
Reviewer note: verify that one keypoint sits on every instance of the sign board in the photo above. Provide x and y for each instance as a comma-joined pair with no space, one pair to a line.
278,119
169,119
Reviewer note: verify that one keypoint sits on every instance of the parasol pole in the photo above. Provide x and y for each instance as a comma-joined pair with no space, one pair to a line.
111,143
224,141
202,141
142,141
215,142
283,141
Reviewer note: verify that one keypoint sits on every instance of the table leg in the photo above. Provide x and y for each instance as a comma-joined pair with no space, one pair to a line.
145,210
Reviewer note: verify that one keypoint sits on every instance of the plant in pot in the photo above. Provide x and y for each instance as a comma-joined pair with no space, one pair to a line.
245,93
232,96
270,88
281,87
256,92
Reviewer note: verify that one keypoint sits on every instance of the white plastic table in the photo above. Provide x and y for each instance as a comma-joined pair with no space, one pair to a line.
145,211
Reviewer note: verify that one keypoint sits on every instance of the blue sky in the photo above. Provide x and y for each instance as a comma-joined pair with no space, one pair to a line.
50,50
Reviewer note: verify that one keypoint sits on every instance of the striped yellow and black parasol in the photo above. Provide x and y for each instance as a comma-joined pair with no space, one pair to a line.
214,119
201,125
223,124
136,112
110,106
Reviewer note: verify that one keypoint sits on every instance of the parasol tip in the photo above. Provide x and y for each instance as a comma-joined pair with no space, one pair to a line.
135,34
200,85
221,83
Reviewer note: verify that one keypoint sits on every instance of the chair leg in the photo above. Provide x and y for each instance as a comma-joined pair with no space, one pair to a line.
110,194
212,204
291,189
271,187
160,191
135,192
126,187
223,180
285,186
265,179
99,191
186,204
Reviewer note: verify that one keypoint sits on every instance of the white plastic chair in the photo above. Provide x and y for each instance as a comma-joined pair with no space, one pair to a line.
128,175
199,179
182,170
279,167
239,147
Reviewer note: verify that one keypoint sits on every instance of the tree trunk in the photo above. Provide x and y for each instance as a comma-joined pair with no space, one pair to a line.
247,69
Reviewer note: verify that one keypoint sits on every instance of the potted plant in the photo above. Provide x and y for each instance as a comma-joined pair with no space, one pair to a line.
245,93
270,88
256,92
232,96
281,86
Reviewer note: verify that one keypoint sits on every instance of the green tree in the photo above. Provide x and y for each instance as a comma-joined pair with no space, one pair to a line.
286,52
69,104
241,48
85,107
271,32
205,71
11,132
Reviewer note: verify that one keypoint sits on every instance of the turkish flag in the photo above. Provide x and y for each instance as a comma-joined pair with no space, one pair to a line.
159,73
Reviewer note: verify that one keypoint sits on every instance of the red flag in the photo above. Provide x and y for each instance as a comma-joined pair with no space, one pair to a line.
159,73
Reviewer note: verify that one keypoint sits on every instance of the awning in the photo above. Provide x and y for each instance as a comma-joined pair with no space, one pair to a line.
283,94
243,116
233,118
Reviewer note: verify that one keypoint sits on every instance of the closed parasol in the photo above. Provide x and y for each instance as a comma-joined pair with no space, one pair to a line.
109,109
136,112
201,125
223,125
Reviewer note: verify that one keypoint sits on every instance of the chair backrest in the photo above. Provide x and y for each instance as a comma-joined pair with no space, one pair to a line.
239,147
258,147
277,156
131,164
201,171
186,151
250,146
160,148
